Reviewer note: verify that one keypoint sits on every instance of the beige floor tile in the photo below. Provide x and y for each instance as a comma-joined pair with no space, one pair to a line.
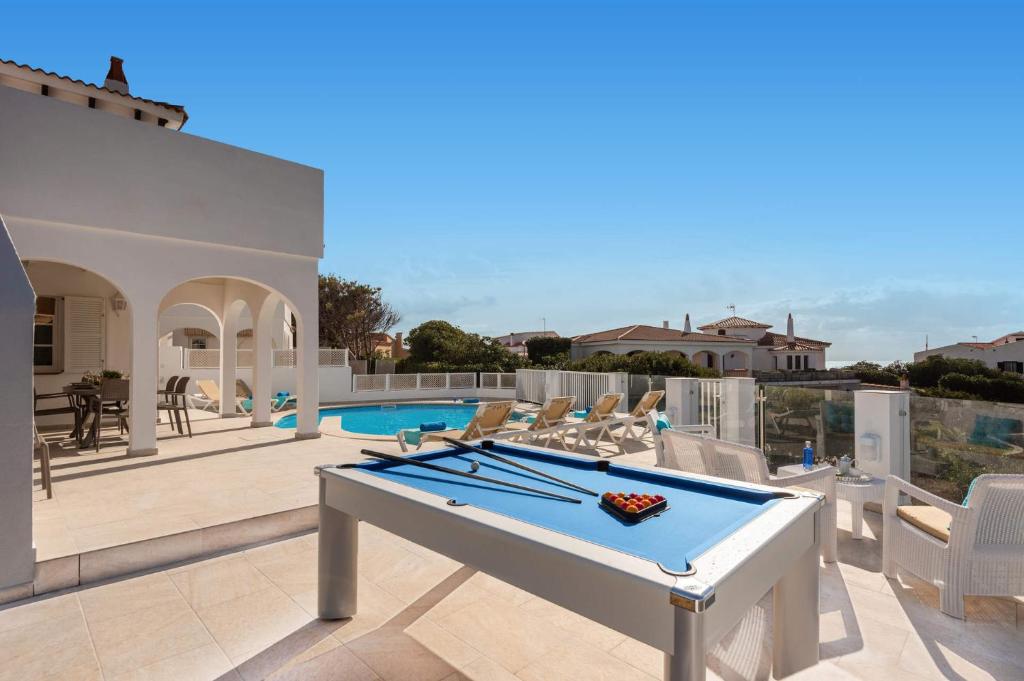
395,656
293,573
39,611
328,661
247,625
136,528
376,607
200,664
209,583
140,638
510,636
486,669
588,631
569,663
51,641
444,645
118,599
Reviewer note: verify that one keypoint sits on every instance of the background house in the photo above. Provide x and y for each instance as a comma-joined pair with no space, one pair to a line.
734,346
1005,353
516,341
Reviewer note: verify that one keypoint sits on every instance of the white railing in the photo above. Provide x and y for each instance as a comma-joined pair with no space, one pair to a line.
333,357
461,381
530,385
585,386
366,382
285,358
210,359
403,381
496,381
433,381
709,402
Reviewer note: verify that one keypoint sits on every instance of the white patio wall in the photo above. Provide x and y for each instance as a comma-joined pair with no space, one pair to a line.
17,308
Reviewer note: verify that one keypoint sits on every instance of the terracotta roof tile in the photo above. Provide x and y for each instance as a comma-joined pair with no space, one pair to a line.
173,107
643,332
778,340
735,322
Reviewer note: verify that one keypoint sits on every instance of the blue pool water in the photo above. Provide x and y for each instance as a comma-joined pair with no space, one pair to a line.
389,419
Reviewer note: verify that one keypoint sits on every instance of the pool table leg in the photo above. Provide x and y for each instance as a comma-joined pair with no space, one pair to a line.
795,615
337,562
687,663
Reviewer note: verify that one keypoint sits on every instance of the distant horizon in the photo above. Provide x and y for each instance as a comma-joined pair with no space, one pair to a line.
603,164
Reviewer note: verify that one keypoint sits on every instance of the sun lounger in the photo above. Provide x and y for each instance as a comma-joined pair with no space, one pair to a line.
490,417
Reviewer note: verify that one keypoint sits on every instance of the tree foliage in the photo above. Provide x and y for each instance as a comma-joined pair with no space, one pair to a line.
950,377
441,346
351,313
643,363
544,349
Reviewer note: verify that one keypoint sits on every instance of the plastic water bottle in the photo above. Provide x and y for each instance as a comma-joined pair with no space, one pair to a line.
808,455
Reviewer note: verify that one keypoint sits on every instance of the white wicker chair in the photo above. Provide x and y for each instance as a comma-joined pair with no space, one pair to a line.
708,456
984,554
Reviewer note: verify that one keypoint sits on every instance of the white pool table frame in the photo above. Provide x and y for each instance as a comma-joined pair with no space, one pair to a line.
682,615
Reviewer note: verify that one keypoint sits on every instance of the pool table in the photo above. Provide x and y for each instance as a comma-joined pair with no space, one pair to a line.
677,581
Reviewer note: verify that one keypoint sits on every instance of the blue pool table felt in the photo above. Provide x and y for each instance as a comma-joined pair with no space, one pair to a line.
700,514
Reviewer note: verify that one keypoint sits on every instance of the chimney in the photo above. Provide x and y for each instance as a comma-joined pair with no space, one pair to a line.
397,351
664,324
790,338
115,77
686,323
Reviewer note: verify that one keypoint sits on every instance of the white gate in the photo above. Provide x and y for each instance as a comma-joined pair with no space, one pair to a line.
709,403
530,385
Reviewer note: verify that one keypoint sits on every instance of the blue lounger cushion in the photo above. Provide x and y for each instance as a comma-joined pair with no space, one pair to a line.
471,400
432,426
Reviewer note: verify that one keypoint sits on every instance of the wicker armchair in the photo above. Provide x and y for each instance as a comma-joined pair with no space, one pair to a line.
965,550
707,456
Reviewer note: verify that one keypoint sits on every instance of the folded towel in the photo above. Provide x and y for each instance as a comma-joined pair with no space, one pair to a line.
432,426
247,405
411,436
471,400
282,394
662,423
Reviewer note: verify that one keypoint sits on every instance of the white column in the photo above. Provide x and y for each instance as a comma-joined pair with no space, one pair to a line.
738,411
144,380
307,363
682,401
228,363
17,307
881,431
262,371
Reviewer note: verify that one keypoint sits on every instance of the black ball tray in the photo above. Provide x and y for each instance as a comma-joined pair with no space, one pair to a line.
654,509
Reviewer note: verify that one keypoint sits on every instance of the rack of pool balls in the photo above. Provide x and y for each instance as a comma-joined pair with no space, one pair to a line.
633,506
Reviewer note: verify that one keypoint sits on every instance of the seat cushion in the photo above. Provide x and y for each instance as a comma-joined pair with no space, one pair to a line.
928,519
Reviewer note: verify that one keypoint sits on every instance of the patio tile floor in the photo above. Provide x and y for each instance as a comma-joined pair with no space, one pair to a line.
250,614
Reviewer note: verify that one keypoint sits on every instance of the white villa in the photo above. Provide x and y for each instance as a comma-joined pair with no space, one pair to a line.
733,345
120,221
1005,353
516,340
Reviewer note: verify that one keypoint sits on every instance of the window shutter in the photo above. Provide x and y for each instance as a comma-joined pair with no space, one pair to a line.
85,325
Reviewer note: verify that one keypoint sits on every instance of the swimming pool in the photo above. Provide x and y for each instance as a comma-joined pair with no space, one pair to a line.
388,419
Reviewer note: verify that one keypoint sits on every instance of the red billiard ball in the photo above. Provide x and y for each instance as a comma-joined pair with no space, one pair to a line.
632,495
607,496
658,497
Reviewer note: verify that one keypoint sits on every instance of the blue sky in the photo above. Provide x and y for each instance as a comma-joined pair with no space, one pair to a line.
608,163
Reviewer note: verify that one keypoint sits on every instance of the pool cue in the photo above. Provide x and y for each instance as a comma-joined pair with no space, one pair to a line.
510,462
452,471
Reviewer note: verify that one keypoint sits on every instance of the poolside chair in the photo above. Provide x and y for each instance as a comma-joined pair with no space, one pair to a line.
174,404
490,417
277,402
971,549
692,453
553,413
600,418
638,416
209,397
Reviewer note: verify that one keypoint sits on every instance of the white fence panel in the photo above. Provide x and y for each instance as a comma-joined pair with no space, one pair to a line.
433,381
488,380
284,358
462,381
709,403
507,381
404,381
333,357
530,385
585,386
367,382
202,359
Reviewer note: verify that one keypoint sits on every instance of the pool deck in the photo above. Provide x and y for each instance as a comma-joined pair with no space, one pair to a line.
250,612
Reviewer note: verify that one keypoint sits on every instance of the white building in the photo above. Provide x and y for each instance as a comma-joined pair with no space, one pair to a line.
733,345
130,230
1005,353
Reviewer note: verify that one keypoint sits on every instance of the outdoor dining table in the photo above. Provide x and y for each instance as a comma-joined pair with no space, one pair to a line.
82,395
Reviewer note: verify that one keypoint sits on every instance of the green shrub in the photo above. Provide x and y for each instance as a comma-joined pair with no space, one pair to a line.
928,373
540,349
994,389
869,372
643,363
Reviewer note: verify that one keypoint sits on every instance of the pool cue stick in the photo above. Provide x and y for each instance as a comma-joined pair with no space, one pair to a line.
498,457
471,476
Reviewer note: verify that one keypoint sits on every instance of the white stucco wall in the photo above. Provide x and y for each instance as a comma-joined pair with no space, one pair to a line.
1010,352
119,175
